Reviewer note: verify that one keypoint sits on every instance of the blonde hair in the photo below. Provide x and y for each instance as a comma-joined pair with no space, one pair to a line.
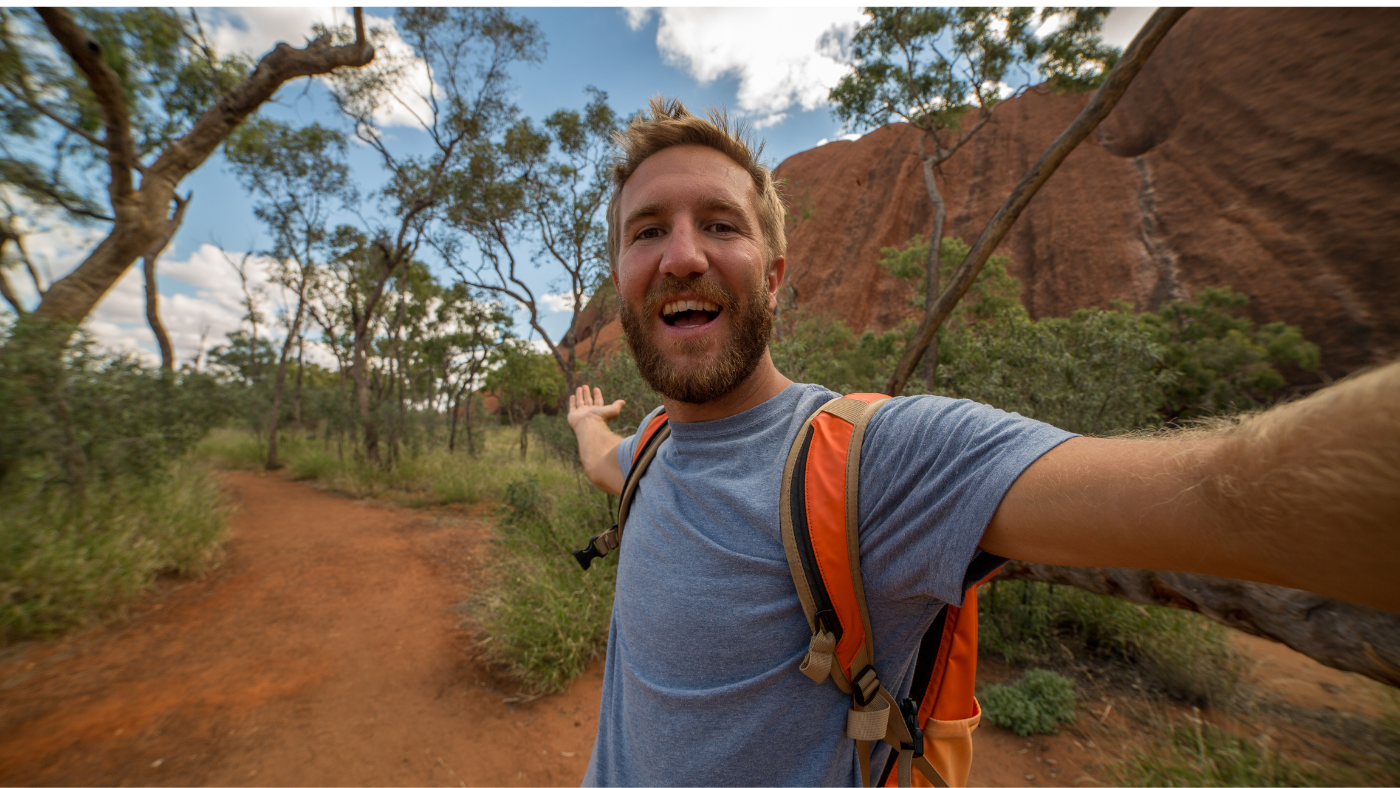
670,124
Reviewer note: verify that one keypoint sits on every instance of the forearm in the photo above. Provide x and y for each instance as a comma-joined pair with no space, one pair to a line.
1305,495
1315,488
597,449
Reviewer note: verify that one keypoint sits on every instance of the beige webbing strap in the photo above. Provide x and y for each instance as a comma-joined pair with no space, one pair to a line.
820,652
607,541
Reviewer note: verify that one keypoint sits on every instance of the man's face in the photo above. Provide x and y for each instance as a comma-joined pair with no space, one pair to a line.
697,302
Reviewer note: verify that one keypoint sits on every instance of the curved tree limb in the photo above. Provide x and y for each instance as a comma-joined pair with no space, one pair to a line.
1339,634
141,215
1115,84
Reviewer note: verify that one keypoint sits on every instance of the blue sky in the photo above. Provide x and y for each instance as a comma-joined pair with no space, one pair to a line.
730,57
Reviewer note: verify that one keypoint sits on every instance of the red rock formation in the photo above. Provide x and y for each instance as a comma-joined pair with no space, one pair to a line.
1259,148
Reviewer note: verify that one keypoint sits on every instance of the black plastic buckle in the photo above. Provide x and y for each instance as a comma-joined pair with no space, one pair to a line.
910,708
858,692
585,556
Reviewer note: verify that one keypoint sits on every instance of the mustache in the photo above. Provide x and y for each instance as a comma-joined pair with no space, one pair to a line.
700,288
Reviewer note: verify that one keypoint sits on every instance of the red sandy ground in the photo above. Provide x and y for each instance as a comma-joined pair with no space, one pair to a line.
324,651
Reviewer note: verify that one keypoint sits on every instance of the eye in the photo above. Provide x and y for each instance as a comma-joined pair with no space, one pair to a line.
723,227
647,233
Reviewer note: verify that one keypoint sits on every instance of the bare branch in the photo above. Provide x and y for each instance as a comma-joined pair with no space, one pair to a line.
55,117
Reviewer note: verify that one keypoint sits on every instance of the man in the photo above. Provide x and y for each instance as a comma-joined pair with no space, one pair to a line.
701,683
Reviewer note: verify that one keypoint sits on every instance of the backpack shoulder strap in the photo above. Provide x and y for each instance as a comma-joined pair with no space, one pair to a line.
656,432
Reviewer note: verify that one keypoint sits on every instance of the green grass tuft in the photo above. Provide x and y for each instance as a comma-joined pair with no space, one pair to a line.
1038,703
64,565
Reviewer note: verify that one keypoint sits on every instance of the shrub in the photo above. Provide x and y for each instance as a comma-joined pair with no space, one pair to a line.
1038,703
1186,654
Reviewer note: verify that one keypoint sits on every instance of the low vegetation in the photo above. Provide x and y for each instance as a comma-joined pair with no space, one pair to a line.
1037,703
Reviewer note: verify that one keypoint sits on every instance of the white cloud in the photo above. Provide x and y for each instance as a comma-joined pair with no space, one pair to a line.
847,137
255,31
783,58
637,18
1122,24
558,302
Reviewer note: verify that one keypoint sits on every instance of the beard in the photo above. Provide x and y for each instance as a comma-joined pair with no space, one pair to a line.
690,376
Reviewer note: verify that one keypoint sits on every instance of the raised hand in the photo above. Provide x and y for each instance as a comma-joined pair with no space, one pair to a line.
585,404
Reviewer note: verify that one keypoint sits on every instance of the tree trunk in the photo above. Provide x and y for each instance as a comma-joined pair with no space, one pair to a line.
275,417
452,431
1339,634
167,352
301,370
932,266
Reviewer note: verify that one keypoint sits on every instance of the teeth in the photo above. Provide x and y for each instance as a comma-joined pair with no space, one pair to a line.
689,306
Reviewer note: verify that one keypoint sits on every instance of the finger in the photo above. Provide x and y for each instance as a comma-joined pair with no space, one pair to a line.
597,396
572,402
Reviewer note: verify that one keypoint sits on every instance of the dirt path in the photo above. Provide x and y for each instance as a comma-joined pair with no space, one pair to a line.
324,651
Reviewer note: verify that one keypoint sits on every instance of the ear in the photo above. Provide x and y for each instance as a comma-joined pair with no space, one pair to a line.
775,280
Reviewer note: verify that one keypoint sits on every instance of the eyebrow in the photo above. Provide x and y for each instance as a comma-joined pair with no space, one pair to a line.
708,204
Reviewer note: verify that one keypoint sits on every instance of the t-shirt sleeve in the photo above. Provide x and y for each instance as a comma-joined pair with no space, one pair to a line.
933,471
628,447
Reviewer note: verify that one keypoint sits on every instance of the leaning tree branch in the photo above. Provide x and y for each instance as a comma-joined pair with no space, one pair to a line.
106,87
1115,84
142,215
40,108
1339,634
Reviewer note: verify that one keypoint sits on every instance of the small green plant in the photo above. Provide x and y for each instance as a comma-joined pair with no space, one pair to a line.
1038,703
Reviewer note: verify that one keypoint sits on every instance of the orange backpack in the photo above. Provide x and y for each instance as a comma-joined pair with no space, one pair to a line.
930,731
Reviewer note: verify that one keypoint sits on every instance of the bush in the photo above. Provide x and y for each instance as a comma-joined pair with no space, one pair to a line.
1038,703
63,564
1184,653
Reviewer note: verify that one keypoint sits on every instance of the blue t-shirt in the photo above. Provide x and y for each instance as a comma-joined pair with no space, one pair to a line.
701,685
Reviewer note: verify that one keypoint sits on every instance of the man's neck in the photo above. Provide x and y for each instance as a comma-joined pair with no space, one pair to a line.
765,383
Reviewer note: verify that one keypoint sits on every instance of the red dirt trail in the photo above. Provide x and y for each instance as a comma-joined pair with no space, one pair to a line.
324,651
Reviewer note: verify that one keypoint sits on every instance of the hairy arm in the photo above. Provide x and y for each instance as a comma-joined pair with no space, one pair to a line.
597,444
1305,495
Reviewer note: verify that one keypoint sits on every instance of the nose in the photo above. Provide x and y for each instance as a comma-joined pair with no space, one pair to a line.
684,256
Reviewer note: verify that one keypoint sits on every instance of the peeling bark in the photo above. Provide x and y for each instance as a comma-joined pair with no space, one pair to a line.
1338,634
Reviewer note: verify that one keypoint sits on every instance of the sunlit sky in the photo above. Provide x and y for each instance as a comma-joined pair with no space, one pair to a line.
767,66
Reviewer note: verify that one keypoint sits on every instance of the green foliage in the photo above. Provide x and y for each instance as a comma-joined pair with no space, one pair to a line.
1098,371
1222,363
544,618
930,66
1199,753
79,416
63,564
169,73
1183,653
1038,703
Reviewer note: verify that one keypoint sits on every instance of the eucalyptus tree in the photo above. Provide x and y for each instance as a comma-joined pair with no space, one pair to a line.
455,87
471,330
537,197
945,70
106,124
298,177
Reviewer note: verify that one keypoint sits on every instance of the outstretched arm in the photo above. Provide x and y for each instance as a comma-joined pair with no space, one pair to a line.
1305,495
597,445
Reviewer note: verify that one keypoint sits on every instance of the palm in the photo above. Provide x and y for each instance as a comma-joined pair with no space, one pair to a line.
586,403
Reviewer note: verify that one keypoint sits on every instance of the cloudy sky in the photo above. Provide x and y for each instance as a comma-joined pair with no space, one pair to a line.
773,67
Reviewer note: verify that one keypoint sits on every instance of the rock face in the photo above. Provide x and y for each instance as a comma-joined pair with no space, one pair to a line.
1258,148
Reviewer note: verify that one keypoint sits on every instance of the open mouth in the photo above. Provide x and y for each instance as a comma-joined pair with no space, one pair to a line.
688,314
